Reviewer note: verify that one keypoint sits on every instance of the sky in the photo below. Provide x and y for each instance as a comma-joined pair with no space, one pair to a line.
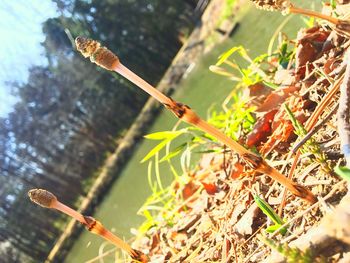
21,35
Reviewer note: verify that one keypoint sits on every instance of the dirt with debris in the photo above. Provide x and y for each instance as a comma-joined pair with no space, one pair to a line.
216,217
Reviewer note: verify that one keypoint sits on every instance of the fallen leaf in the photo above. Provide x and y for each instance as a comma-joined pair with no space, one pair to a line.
261,130
284,77
276,98
309,47
210,188
237,170
257,93
239,208
283,130
331,64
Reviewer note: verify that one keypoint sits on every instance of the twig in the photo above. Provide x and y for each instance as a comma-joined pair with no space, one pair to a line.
48,200
106,59
344,112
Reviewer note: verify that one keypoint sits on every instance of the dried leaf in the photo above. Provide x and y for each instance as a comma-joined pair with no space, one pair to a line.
257,93
239,208
282,127
305,52
210,188
330,65
309,46
261,130
276,98
237,170
284,77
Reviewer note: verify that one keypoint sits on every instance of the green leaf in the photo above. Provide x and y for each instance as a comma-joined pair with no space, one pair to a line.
208,151
156,149
333,4
148,215
250,118
223,57
300,130
283,48
267,210
343,172
273,228
164,135
173,153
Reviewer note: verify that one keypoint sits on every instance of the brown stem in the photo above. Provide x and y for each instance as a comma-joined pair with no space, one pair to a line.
95,51
297,10
69,211
97,228
47,199
131,76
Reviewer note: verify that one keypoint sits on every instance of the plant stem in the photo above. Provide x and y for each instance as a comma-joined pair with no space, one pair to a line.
69,211
46,199
297,10
94,50
141,83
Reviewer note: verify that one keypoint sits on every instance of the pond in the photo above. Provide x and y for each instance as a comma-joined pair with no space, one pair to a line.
200,90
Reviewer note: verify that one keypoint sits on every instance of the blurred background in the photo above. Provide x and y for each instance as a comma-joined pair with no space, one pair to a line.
61,116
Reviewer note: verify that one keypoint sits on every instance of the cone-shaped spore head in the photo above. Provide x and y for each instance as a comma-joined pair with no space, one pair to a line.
42,197
272,5
86,46
98,54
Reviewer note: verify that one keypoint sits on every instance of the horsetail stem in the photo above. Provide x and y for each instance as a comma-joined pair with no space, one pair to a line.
106,59
46,199
286,7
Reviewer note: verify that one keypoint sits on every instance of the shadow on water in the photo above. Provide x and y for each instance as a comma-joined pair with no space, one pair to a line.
201,89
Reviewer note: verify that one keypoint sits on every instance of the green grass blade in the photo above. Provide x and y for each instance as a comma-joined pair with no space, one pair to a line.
173,153
343,172
273,228
270,213
155,150
164,135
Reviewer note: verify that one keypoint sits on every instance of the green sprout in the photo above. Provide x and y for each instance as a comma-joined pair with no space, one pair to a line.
270,213
343,172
